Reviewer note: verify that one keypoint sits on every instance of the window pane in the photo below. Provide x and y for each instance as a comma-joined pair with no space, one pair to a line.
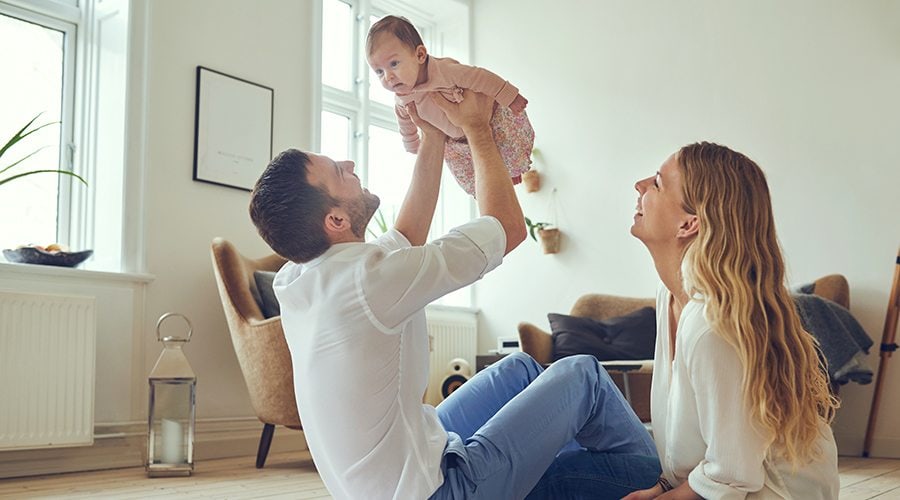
335,136
389,170
377,92
34,54
337,38
455,206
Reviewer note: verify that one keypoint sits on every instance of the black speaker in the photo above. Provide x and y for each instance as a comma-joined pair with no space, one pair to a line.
458,372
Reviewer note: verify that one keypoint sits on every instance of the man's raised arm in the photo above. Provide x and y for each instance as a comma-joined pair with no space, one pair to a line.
493,188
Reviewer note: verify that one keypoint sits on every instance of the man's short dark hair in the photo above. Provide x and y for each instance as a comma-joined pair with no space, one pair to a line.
289,212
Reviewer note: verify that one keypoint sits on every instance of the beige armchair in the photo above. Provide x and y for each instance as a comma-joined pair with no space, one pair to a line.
633,377
259,343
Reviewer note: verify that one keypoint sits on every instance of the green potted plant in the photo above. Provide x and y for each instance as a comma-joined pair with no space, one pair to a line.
547,231
54,253
18,136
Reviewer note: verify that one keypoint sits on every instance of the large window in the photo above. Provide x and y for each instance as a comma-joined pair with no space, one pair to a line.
358,120
38,65
57,55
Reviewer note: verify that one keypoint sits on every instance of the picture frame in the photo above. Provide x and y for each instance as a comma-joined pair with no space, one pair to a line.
232,129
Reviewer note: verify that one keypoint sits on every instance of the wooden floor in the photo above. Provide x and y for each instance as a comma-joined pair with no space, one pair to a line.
286,475
863,478
293,476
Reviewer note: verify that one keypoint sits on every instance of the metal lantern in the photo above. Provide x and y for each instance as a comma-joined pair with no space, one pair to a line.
173,401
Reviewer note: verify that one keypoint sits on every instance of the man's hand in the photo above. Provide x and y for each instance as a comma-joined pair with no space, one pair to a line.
473,112
518,104
428,130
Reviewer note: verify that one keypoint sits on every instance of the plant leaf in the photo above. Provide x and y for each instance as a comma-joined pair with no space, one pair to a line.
379,219
14,139
64,172
531,227
19,135
23,159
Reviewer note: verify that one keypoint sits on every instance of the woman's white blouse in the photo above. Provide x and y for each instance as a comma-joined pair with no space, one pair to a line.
702,425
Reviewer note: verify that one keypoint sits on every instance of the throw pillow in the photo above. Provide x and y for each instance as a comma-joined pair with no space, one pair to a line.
267,301
628,337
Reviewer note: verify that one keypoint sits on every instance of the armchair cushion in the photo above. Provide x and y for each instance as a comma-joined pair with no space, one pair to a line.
628,337
267,301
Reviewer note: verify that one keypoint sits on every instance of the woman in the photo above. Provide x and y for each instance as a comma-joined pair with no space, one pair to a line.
740,403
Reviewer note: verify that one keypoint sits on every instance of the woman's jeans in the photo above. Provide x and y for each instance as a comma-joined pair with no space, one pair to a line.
564,432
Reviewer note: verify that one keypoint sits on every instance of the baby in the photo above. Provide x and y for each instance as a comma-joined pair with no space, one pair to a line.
397,55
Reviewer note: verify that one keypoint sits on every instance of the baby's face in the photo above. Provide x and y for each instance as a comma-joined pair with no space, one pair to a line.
398,67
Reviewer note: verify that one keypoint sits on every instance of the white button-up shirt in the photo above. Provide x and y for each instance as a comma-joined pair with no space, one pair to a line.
355,324
702,424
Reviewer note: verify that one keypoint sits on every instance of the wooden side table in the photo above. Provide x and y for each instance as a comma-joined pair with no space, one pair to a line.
483,361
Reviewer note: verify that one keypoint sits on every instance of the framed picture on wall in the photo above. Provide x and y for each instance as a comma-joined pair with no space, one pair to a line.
232,129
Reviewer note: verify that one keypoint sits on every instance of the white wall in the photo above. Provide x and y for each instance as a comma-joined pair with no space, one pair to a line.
809,89
265,42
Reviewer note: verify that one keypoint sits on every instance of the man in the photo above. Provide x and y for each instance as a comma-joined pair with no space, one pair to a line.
353,315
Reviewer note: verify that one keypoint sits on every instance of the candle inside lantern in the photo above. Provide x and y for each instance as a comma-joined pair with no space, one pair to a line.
172,442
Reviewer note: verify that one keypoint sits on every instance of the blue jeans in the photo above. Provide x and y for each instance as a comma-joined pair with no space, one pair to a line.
509,423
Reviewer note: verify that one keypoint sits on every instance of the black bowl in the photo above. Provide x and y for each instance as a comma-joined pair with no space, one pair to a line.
29,255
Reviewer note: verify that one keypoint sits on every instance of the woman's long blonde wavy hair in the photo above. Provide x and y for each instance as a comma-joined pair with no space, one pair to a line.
735,262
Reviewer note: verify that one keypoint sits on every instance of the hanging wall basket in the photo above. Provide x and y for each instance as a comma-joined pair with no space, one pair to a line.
532,181
550,239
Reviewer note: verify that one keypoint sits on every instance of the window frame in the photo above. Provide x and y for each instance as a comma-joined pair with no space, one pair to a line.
93,129
67,19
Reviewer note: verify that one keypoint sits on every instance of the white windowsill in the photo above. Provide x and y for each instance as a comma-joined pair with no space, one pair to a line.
7,268
459,309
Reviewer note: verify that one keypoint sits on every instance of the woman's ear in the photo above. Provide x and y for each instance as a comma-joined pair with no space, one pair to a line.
689,227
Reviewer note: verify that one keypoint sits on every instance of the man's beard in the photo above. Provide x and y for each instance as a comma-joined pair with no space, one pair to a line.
361,211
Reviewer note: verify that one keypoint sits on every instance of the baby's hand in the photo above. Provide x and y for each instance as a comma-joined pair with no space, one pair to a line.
518,104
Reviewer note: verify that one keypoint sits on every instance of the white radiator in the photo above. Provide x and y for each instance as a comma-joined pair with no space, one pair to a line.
47,346
454,336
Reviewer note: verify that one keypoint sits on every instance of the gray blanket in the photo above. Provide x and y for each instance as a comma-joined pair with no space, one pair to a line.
842,339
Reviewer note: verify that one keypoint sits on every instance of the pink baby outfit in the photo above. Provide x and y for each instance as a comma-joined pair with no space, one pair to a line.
512,132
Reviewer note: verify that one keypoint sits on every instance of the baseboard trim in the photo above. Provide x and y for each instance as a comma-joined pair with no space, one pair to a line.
851,445
120,445
885,448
